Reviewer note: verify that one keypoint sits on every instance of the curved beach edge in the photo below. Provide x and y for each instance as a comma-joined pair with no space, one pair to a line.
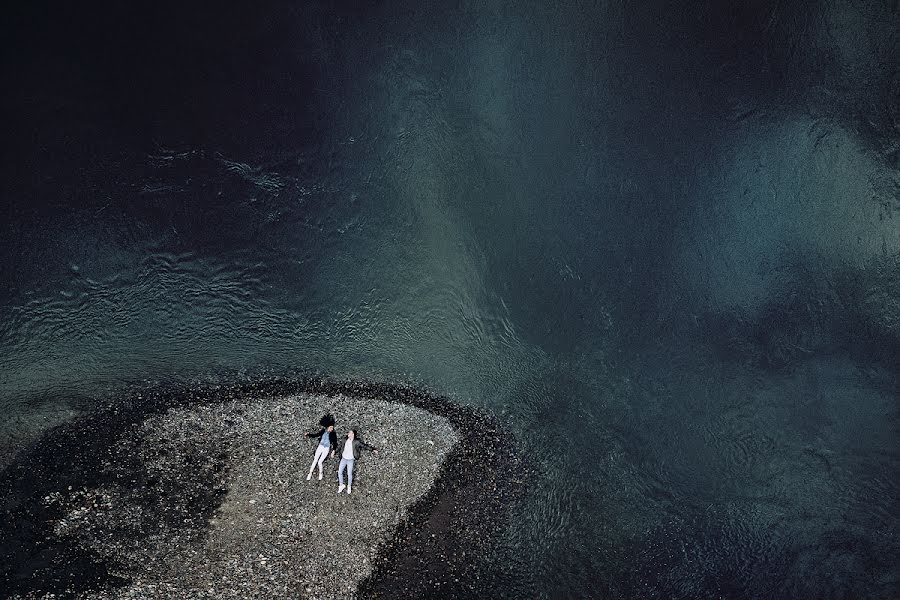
441,546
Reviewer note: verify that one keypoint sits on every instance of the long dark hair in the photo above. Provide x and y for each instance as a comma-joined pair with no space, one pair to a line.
326,421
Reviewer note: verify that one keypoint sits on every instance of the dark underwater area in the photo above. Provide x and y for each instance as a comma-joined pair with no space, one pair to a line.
658,240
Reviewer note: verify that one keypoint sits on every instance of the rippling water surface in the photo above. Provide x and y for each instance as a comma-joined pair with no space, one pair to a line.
662,244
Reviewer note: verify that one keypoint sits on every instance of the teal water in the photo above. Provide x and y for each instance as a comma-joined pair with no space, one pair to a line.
661,244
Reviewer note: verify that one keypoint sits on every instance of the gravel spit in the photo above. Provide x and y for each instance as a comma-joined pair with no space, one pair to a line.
204,495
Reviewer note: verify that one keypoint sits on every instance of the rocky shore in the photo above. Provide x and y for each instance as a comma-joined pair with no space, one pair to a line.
203,494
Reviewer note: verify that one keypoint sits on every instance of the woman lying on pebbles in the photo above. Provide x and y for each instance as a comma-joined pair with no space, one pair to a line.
352,448
327,442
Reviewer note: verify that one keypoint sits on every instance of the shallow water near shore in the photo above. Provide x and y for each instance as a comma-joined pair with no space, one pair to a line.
661,245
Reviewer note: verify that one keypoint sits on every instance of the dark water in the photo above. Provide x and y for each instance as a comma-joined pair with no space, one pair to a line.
661,240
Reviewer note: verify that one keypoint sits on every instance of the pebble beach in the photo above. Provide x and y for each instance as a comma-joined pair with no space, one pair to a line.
211,500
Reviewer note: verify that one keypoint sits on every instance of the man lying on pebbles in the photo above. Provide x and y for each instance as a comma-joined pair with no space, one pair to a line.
349,456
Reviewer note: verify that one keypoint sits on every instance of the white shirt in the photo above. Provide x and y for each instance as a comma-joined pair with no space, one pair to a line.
348,450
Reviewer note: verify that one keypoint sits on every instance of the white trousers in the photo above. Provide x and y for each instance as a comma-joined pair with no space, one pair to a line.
321,453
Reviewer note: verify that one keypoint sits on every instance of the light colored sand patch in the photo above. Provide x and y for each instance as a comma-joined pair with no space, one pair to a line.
275,534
